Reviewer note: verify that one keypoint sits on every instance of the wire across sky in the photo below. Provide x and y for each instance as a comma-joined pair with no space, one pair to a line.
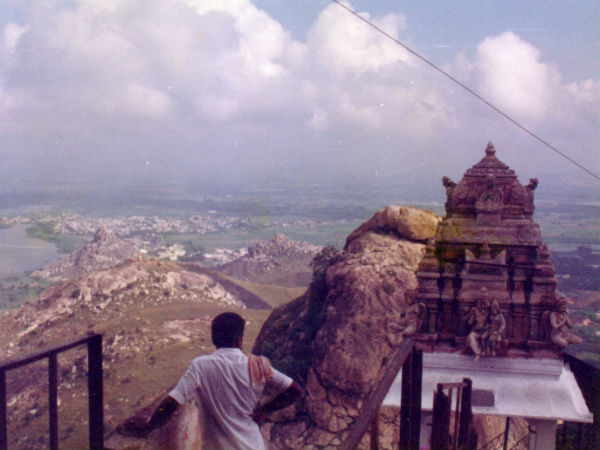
472,92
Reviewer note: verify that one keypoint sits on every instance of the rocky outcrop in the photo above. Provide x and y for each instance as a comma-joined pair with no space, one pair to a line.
340,334
279,260
154,317
409,223
104,250
98,295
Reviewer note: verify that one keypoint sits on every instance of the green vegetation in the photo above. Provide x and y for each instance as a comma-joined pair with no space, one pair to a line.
65,244
43,231
18,289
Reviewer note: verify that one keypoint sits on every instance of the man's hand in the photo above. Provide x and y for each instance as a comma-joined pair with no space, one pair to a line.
283,400
135,427
141,428
259,415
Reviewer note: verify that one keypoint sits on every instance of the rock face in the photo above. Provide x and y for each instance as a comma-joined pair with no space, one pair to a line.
105,250
97,295
340,334
279,260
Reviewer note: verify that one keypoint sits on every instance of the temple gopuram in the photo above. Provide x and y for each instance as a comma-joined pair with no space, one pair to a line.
487,280
486,308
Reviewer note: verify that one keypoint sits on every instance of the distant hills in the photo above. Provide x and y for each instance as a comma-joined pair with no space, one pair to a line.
279,261
105,250
154,316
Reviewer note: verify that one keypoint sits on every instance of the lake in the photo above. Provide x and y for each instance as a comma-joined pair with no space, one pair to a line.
20,254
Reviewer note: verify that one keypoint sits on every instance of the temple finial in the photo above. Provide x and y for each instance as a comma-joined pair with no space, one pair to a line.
490,150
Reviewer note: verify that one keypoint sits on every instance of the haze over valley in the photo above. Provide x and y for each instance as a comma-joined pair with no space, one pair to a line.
168,160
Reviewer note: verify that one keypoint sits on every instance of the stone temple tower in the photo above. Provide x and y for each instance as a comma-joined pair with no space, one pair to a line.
486,307
488,248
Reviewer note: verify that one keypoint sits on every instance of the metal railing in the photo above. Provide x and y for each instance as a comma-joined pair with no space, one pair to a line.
95,390
463,434
574,436
501,441
410,360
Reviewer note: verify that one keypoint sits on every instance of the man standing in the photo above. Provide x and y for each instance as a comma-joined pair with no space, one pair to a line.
229,385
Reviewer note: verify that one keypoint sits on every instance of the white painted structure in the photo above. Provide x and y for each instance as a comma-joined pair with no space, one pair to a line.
542,391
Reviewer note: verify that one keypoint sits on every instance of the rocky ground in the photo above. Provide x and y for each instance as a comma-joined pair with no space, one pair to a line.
105,250
280,261
154,317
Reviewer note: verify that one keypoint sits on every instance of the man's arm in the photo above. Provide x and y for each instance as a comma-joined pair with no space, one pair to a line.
138,427
286,398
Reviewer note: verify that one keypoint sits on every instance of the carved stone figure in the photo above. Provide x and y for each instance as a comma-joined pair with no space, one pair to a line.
491,199
477,318
449,185
529,207
560,325
412,320
493,336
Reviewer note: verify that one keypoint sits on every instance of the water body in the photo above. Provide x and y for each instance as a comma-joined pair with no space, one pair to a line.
20,254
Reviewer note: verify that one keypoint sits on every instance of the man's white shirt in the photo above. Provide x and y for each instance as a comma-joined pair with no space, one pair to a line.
222,381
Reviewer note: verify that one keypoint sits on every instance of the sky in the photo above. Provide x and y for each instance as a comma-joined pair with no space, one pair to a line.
99,92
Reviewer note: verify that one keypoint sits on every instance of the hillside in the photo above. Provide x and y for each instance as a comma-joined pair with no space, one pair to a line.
154,317
277,261
104,250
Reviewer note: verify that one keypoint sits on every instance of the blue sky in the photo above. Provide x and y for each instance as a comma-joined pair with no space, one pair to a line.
228,91
565,31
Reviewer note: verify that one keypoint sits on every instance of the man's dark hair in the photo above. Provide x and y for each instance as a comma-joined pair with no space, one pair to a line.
227,329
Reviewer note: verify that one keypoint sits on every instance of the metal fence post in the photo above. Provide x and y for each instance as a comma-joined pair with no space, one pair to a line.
405,402
53,400
95,390
466,415
415,398
3,432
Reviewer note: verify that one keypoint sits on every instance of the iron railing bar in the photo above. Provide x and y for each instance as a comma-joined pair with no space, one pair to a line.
415,398
521,441
495,438
375,433
95,392
53,400
3,424
404,440
506,433
457,416
358,428
466,414
15,364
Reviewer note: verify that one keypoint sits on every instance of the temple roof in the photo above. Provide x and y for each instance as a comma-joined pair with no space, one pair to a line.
490,164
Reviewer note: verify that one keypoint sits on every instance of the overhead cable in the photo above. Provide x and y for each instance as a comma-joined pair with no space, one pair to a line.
469,90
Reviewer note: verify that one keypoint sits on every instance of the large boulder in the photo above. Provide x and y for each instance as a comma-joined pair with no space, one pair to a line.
338,336
408,223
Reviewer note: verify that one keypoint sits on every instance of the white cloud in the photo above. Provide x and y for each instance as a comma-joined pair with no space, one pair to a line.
11,34
211,68
367,82
341,44
510,73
